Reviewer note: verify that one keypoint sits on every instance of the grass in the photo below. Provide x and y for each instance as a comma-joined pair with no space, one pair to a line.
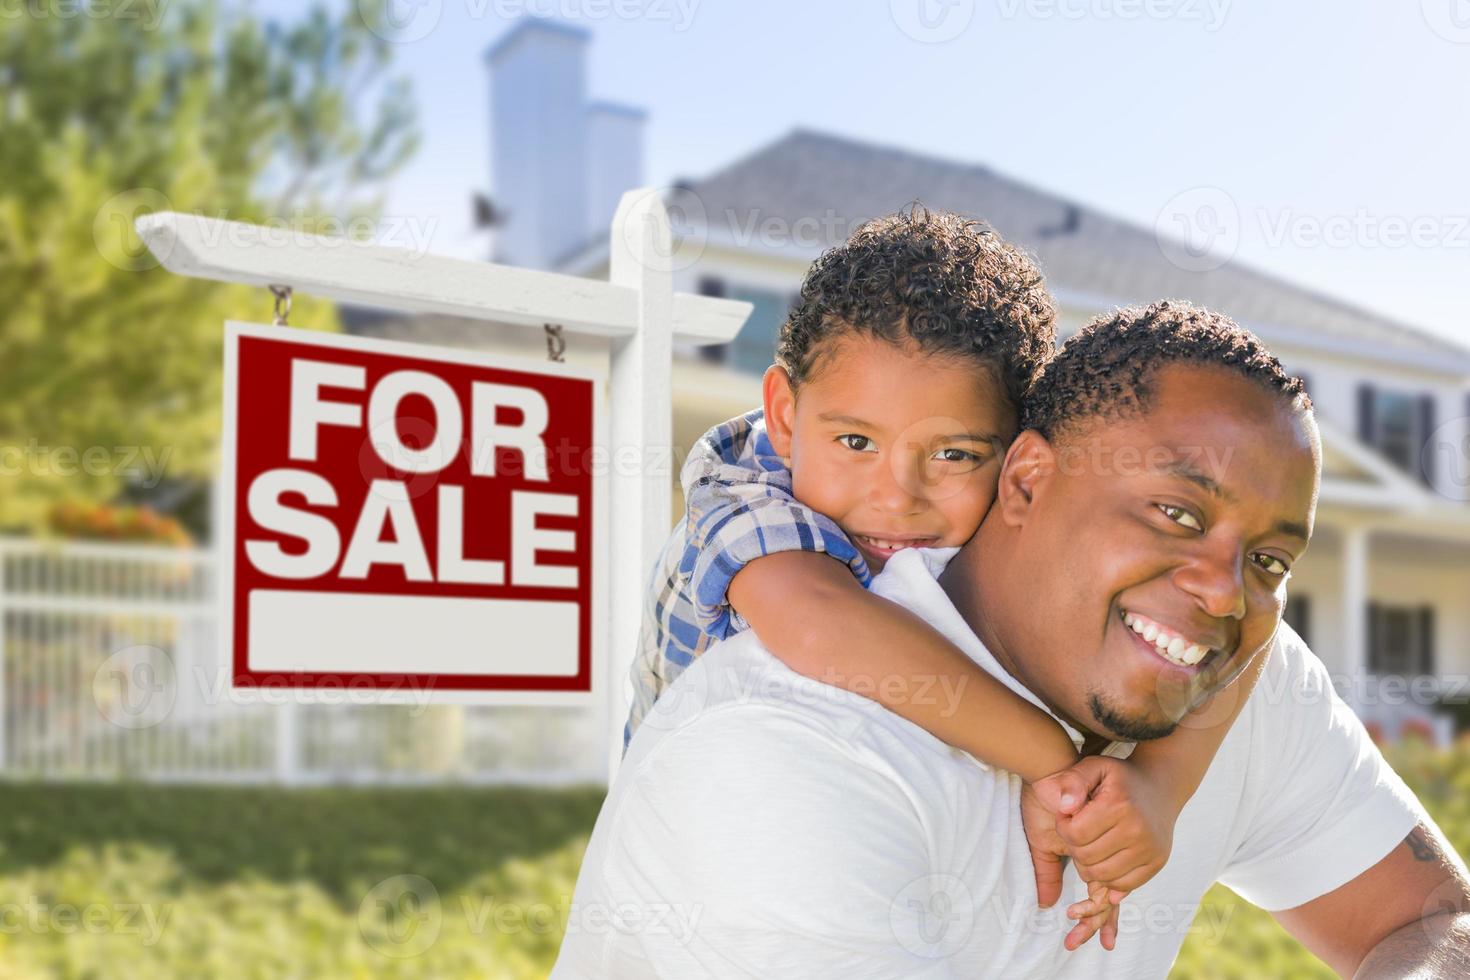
224,883
334,839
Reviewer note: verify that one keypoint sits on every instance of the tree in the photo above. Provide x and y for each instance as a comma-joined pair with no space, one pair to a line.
110,366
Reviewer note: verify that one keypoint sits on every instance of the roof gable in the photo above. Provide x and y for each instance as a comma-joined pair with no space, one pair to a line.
832,184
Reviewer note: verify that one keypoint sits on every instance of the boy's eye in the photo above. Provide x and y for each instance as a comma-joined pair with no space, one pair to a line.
1181,516
857,443
1270,563
956,456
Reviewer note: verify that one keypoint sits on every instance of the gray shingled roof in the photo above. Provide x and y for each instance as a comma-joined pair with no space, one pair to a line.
813,175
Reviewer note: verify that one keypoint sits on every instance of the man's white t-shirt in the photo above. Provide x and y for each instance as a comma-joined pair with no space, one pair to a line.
764,825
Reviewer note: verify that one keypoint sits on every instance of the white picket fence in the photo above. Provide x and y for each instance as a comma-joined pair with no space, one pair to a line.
110,668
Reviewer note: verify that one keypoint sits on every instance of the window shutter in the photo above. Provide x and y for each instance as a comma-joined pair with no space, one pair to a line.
1366,426
1298,615
1426,640
1427,424
717,287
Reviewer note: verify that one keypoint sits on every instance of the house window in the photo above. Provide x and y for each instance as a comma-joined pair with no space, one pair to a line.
1400,640
1298,616
755,346
713,353
1398,425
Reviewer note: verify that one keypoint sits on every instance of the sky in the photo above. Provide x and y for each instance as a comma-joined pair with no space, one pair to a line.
1324,141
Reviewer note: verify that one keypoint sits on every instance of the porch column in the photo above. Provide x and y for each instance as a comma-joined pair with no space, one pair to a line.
1355,609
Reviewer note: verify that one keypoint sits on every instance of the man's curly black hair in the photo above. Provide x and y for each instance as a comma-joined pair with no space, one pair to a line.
948,283
1106,371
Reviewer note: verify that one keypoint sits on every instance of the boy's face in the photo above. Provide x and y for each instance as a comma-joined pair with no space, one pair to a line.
901,448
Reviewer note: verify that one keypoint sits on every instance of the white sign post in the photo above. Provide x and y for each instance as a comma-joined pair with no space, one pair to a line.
636,309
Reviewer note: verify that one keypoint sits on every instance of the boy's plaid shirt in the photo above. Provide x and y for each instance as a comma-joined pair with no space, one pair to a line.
738,506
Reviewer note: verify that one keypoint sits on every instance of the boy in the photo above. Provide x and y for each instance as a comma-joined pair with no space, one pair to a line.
896,391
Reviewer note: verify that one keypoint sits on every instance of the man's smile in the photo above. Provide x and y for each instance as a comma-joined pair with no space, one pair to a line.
1173,644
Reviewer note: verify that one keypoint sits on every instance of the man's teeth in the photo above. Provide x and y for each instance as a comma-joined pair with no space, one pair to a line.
1173,648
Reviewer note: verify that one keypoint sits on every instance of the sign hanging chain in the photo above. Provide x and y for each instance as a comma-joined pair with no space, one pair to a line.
556,344
282,304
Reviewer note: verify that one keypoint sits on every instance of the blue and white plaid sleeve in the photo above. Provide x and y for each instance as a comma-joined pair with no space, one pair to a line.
739,507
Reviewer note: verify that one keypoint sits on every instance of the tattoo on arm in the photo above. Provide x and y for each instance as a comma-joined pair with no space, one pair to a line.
1424,849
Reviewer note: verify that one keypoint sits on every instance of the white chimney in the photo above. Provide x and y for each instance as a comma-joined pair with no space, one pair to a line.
539,141
615,160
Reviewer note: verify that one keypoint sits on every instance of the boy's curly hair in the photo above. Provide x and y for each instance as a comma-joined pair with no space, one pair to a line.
1106,371
948,283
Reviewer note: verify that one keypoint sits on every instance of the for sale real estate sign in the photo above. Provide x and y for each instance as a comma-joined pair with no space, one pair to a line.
403,519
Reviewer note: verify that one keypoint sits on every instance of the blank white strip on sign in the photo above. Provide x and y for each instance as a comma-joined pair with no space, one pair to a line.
357,633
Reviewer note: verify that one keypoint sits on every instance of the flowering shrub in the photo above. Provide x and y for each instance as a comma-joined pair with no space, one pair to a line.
108,522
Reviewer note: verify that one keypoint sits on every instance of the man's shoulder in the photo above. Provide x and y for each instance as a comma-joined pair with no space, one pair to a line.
1295,720
738,697
1294,676
736,687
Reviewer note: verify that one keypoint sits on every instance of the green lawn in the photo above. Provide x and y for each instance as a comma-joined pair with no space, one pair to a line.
102,882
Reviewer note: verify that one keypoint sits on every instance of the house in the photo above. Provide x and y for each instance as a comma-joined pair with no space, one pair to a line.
1382,594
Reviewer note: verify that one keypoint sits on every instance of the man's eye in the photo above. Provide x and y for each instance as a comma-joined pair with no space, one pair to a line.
1181,516
1270,563
861,444
956,456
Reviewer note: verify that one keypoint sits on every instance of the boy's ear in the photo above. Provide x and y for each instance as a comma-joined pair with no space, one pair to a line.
780,405
1029,465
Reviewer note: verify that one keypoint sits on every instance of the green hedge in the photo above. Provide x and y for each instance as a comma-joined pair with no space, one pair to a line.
234,883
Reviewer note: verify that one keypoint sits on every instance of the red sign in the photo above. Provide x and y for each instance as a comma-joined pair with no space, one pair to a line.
404,518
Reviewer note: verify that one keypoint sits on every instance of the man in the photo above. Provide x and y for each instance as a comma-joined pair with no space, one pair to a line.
765,825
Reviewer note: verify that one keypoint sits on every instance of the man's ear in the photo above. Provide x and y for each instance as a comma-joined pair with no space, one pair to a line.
780,404
1029,465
